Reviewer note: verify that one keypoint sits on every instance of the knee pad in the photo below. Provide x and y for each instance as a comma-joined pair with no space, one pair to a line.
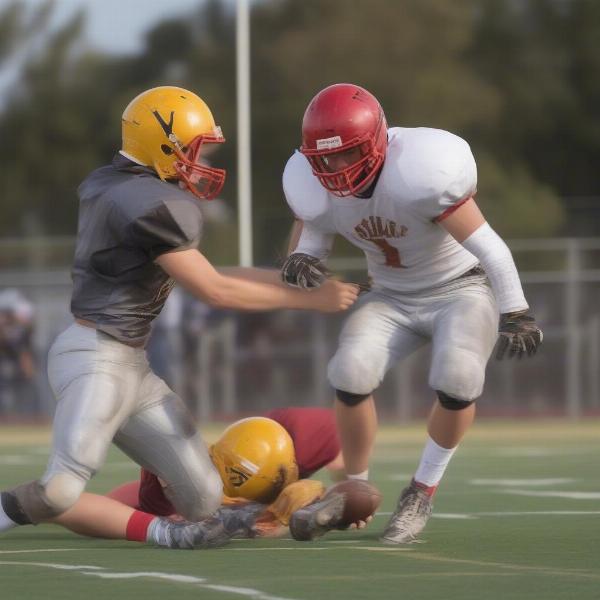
33,503
350,399
450,403
360,373
62,491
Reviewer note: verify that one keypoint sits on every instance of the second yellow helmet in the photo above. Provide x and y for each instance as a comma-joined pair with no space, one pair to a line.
255,458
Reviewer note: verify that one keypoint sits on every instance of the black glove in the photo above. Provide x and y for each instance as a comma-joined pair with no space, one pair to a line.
518,334
303,271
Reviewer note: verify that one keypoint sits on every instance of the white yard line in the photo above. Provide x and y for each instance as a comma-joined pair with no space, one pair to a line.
557,513
524,513
309,548
34,550
102,572
539,451
555,494
550,571
527,482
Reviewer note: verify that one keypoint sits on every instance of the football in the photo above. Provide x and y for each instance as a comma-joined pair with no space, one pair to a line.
362,500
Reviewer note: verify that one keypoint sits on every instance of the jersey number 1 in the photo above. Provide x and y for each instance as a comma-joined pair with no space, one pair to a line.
392,256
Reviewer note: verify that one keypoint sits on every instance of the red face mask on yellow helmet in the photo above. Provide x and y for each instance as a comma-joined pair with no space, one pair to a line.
168,128
344,137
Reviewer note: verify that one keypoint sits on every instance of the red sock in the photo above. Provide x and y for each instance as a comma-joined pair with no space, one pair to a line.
428,489
137,526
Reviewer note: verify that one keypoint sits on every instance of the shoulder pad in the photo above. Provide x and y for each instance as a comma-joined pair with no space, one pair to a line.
307,198
437,167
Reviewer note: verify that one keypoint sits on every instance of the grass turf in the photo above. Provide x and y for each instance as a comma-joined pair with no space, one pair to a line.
489,539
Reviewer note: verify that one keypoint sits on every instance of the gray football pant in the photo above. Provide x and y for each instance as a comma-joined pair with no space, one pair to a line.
105,392
460,319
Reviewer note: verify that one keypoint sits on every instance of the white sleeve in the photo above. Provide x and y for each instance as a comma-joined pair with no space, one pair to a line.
496,258
314,242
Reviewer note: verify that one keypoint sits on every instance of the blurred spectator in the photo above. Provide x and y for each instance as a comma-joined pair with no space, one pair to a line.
18,393
174,347
164,348
195,317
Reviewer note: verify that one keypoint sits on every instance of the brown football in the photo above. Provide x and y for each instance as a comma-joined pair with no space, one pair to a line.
362,500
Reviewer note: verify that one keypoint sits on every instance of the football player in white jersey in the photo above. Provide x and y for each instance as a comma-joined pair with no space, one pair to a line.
439,272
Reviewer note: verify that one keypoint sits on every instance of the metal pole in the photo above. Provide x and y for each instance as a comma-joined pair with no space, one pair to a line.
230,405
573,301
321,394
594,361
243,119
203,402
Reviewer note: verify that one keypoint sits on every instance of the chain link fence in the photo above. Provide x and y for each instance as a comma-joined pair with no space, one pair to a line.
225,364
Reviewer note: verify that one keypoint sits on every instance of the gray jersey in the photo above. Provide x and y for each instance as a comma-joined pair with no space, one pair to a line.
127,218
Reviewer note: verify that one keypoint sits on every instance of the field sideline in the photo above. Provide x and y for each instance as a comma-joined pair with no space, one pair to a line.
518,516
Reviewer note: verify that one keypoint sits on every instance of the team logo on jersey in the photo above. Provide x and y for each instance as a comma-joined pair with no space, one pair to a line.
377,227
377,230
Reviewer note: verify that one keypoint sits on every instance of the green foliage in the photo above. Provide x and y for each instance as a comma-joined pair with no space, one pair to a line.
514,202
518,80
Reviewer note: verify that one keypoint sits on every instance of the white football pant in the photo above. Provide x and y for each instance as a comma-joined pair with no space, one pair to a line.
106,391
460,318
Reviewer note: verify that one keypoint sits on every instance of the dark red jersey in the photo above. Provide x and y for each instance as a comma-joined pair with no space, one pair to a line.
316,444
314,434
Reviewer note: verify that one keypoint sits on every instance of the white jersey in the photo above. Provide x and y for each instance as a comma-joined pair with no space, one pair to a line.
426,174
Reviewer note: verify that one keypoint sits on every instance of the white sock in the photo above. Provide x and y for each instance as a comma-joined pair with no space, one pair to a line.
6,522
364,476
157,532
434,461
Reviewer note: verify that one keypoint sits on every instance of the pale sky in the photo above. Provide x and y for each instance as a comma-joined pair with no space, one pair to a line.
111,26
119,25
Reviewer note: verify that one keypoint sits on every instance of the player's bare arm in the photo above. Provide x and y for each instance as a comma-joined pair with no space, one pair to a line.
192,270
519,333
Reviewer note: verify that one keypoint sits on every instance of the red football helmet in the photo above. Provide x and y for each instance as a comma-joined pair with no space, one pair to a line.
344,137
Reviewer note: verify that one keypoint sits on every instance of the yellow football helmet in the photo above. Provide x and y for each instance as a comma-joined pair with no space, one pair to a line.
255,458
165,128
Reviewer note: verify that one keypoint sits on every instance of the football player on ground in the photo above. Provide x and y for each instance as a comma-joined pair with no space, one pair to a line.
265,464
440,273
140,225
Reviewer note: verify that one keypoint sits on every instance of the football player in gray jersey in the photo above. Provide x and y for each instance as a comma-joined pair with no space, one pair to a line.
139,229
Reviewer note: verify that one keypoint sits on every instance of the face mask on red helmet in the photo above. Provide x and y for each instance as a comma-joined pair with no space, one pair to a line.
344,137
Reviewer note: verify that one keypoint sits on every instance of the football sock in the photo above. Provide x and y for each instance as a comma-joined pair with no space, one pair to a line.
364,476
138,526
434,461
6,522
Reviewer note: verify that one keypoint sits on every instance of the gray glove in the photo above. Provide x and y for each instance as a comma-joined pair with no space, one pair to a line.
303,271
518,335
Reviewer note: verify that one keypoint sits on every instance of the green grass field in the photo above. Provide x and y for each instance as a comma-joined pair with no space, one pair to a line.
518,516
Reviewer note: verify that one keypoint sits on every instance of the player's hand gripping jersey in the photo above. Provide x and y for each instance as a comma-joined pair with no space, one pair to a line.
427,174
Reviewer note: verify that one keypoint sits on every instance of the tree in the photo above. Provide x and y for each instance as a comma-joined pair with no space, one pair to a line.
518,80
